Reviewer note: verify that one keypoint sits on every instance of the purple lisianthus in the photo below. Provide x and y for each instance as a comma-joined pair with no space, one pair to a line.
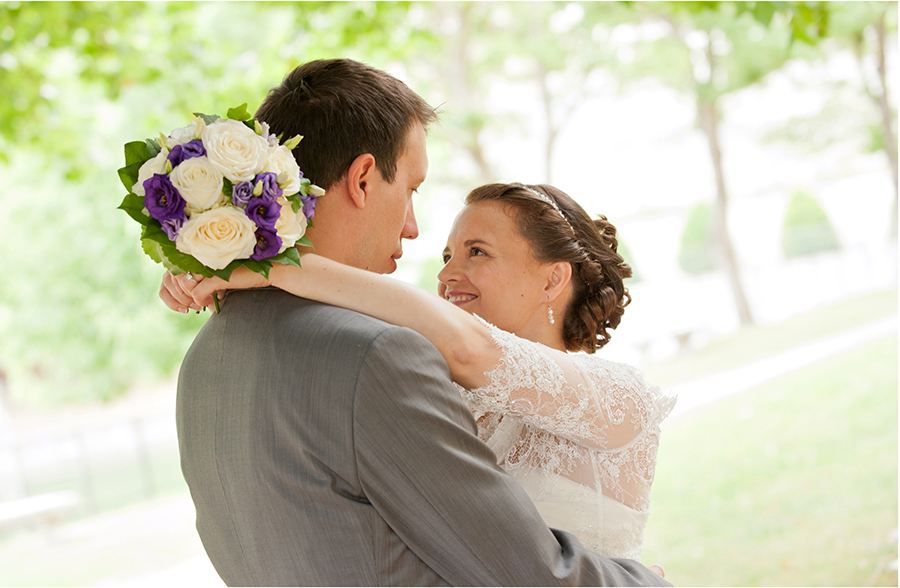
162,199
264,212
241,193
172,225
309,205
270,189
268,243
187,150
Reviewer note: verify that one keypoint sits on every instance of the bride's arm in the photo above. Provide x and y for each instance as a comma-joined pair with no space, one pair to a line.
463,341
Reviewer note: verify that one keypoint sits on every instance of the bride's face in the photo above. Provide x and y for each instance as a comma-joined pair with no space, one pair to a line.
490,270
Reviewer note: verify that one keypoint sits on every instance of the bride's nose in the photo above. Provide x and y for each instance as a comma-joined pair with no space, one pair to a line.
447,274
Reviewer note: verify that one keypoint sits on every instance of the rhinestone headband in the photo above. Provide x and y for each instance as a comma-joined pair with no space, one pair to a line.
552,203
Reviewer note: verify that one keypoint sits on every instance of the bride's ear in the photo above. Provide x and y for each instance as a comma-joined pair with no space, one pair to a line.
359,176
560,276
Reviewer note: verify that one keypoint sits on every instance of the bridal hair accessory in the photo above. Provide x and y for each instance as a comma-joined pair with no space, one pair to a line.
552,203
550,314
218,194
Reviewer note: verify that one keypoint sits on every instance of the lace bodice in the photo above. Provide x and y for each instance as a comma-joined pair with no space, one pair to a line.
580,433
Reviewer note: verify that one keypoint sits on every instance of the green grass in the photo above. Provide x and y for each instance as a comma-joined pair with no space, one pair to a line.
793,483
758,341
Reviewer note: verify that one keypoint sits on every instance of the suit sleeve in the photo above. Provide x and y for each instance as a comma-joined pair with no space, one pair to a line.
436,484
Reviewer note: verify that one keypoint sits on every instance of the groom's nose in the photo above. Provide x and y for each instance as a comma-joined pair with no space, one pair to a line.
410,227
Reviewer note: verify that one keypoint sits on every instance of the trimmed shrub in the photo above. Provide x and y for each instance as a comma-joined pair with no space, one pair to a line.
806,229
695,254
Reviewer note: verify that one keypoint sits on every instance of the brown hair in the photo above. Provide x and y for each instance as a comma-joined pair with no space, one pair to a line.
599,295
343,108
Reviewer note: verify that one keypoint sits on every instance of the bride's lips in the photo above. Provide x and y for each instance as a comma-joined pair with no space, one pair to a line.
459,298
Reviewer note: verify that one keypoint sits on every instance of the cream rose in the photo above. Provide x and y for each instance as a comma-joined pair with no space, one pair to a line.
290,226
151,167
182,135
279,161
217,237
199,182
237,151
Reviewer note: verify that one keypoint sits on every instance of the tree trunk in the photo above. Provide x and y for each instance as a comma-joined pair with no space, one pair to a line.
552,130
890,142
460,86
725,251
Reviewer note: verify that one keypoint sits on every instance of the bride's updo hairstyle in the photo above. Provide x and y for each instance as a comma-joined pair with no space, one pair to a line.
559,229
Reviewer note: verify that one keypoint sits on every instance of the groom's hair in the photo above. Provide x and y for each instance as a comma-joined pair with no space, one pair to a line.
343,109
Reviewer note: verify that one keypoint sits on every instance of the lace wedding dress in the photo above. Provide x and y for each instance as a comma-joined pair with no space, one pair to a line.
579,433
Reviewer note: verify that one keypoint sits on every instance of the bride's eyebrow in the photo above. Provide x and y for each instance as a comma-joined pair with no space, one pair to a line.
471,242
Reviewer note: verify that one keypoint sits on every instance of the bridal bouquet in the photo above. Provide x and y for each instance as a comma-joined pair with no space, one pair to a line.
218,194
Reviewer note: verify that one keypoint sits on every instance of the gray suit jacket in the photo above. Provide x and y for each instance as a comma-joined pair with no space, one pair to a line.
324,447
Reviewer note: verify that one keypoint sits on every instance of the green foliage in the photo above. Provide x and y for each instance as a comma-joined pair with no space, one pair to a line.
694,255
625,252
806,229
778,499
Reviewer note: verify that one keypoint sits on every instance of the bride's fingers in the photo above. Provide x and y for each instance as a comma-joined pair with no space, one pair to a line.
205,289
173,296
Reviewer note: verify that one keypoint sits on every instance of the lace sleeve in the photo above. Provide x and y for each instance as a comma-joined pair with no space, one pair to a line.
588,400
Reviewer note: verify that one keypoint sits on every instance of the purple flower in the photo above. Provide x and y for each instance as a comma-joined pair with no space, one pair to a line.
267,245
263,212
162,199
172,225
241,193
186,151
270,189
309,205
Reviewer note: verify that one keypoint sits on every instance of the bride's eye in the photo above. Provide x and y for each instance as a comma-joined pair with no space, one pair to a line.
476,251
446,258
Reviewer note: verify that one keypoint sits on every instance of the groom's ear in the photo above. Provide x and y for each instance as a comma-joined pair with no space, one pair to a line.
359,177
559,277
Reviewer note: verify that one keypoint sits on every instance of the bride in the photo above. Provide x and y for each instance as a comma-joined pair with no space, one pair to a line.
529,281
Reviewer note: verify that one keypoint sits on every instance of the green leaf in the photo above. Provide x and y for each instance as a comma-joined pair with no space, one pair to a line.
238,112
289,256
227,187
134,206
152,249
207,118
304,241
153,148
129,175
137,152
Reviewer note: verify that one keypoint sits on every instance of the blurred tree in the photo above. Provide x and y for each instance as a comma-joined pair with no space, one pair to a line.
806,229
709,50
547,51
80,318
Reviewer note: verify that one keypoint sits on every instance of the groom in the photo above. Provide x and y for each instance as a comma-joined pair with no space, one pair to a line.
324,447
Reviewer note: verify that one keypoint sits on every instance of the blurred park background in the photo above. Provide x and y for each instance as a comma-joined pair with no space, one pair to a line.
747,152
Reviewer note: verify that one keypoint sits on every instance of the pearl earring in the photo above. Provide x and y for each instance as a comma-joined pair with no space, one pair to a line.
550,314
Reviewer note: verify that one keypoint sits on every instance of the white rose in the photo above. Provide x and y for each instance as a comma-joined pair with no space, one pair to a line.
237,151
151,167
281,160
182,135
217,237
290,226
199,183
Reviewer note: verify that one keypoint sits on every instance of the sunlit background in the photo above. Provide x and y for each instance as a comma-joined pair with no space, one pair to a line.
746,151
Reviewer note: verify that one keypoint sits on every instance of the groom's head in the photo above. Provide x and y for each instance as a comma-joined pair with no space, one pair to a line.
364,142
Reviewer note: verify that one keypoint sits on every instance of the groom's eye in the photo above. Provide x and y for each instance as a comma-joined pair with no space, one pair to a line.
476,251
446,258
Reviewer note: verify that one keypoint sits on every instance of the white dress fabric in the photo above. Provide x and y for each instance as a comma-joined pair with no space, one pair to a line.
579,433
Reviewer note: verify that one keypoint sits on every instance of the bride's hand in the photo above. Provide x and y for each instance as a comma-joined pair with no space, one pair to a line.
176,292
242,278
